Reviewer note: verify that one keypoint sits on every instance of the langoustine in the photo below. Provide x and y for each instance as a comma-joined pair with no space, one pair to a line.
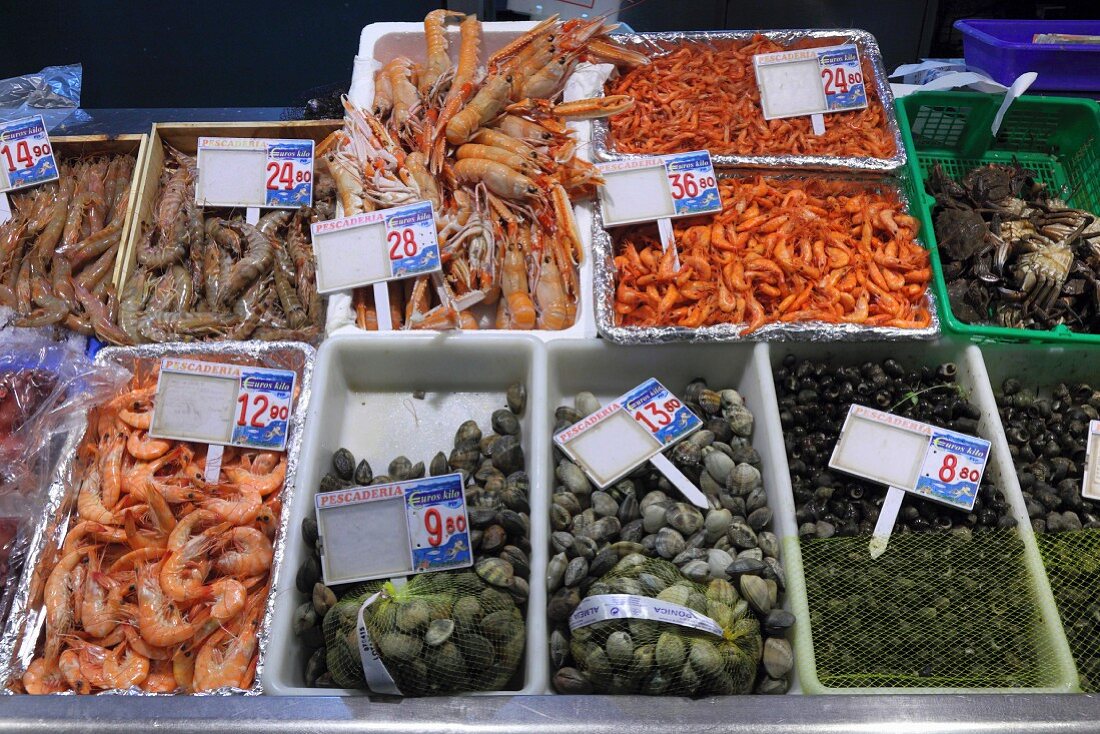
494,154
161,580
780,251
58,250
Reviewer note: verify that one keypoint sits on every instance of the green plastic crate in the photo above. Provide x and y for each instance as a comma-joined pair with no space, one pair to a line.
1057,137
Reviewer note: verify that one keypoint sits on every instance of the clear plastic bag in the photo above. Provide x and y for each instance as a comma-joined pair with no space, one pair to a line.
53,93
46,389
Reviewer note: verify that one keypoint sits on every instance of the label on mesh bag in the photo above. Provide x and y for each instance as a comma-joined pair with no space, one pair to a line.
378,678
604,607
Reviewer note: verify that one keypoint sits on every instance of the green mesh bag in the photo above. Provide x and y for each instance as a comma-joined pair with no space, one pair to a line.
651,657
936,610
1072,561
441,633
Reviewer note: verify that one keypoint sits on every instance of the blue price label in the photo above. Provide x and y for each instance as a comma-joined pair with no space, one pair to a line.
264,404
439,536
842,78
26,155
692,183
952,469
289,173
661,413
411,241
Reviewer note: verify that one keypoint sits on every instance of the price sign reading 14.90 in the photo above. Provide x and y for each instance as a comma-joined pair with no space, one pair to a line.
26,156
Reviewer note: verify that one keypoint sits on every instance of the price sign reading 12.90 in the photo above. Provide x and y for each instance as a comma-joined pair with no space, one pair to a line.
627,432
26,156
227,404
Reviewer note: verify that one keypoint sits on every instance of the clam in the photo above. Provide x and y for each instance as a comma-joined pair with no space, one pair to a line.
399,647
316,666
778,657
604,505
597,664
562,603
571,681
323,599
363,473
741,535
709,401
586,403
516,398
653,518
439,465
670,652
413,615
582,547
743,479
686,453
603,562
468,433
560,519
567,414
439,631
697,571
675,594
755,590
576,571
684,518
309,530
495,571
343,464
777,622
620,650
505,422
466,611
304,617
722,591
740,421
309,573
559,648
570,475
716,524
719,466
717,562
704,658
521,565
669,543
507,454
760,518
652,585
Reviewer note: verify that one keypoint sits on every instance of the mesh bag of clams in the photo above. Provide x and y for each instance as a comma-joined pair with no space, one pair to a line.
441,633
656,657
1047,432
952,603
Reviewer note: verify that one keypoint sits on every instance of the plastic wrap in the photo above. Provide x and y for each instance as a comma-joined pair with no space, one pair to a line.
45,389
604,145
53,93
603,253
21,639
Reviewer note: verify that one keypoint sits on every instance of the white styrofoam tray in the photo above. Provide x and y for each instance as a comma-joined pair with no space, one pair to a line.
971,376
608,370
363,401
380,43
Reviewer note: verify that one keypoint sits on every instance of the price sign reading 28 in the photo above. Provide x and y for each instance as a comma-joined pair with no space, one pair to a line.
411,241
26,156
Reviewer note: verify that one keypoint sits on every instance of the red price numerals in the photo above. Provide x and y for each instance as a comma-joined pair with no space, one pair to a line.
402,243
24,155
283,176
661,414
439,528
257,410
947,470
687,185
838,82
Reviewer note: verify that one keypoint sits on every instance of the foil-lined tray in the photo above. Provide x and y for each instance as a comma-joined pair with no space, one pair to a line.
26,624
603,143
603,255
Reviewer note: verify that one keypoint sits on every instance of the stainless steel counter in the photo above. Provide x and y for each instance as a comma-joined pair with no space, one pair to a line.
565,714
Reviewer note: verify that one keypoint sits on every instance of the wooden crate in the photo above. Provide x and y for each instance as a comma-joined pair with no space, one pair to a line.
183,136
67,147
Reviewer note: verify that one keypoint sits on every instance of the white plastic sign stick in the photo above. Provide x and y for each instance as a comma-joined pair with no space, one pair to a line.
5,208
1090,484
383,530
932,462
680,481
382,306
605,607
887,516
252,215
377,676
254,172
214,453
26,155
227,404
375,247
810,81
627,432
818,123
664,229
658,187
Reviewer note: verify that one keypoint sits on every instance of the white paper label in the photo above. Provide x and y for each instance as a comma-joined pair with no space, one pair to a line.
229,404
627,432
254,172
604,607
932,462
1090,484
415,526
390,244
26,155
810,81
659,187
378,677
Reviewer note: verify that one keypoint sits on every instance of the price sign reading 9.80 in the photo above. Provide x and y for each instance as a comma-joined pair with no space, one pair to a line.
440,527
435,509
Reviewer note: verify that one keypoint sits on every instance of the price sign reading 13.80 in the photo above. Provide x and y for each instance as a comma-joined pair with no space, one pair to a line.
26,156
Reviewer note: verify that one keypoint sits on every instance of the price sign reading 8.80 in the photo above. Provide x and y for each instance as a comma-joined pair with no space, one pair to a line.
952,468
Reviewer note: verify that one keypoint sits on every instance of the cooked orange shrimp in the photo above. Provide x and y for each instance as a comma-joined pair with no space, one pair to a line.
251,552
58,599
124,668
89,500
256,481
229,597
144,448
225,659
550,296
42,677
159,620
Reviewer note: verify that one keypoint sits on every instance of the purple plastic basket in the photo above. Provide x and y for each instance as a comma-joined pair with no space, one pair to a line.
1003,49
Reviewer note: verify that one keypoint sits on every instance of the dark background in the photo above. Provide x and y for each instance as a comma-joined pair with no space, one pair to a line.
272,53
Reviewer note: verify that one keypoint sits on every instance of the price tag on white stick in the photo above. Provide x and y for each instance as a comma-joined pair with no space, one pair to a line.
629,431
26,155
254,172
1090,484
393,529
375,247
660,187
810,81
910,457
226,404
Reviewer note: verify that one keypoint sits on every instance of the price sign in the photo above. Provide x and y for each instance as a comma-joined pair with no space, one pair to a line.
26,155
390,244
254,172
810,81
932,462
225,404
627,432
395,529
1090,484
660,187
